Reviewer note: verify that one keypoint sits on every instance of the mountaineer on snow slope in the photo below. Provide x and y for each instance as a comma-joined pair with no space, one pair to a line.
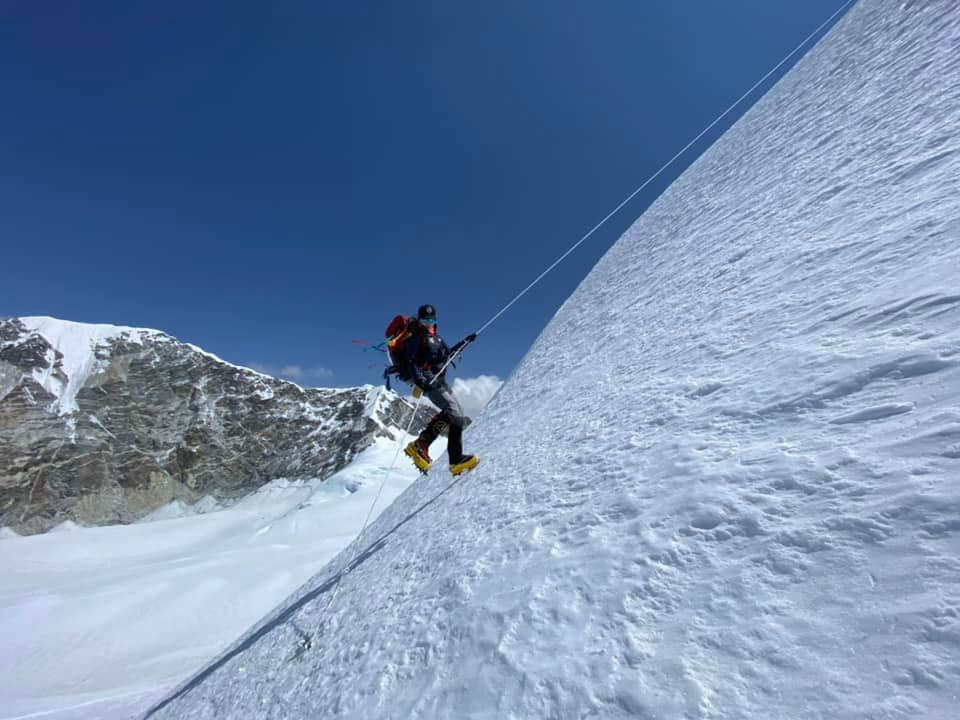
420,356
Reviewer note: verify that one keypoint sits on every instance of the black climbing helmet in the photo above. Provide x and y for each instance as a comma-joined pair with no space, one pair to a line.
427,312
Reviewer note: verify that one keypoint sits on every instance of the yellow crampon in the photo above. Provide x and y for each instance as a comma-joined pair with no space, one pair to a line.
413,452
468,463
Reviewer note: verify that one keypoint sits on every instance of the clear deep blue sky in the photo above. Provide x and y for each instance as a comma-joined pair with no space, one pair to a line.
270,180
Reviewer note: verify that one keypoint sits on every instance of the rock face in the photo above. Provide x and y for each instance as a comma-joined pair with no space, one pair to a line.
102,424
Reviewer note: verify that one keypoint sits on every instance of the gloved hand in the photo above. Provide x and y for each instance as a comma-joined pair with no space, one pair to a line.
417,391
470,338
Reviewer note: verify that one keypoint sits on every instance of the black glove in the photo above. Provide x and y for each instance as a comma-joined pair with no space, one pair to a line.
470,338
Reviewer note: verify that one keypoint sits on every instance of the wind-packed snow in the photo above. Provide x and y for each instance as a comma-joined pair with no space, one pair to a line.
725,481
97,621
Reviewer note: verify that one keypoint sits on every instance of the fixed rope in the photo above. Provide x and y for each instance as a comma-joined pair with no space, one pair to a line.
667,164
653,177
577,244
309,642
413,415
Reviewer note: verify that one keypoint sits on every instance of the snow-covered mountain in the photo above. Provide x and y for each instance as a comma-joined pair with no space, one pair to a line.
748,504
102,424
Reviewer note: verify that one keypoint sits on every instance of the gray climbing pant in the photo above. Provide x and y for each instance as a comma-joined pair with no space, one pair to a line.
451,415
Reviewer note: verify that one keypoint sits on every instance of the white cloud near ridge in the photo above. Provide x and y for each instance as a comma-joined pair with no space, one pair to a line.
296,373
473,394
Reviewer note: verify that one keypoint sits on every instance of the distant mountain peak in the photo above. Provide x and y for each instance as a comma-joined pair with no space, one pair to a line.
104,423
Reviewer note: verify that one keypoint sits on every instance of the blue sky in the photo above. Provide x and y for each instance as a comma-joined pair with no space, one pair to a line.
270,180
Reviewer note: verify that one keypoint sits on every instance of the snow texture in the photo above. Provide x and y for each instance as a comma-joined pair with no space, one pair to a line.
96,622
746,506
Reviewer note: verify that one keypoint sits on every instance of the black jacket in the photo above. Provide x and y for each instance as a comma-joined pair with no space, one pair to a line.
426,354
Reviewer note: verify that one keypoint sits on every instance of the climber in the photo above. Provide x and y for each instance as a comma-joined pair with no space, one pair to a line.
426,356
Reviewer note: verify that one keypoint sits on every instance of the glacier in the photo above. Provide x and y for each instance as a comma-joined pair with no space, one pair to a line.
746,504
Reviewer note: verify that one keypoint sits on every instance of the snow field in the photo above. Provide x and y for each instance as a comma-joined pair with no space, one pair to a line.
96,621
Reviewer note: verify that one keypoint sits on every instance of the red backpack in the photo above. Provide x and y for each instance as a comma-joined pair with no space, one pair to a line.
399,329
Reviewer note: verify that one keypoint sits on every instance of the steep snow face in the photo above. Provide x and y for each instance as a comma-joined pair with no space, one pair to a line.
746,505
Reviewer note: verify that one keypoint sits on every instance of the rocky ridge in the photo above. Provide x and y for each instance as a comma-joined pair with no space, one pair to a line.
101,424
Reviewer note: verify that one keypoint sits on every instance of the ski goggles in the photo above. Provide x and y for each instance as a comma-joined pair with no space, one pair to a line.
428,321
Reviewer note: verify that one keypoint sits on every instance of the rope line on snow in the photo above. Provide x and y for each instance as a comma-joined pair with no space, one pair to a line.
393,464
653,177
309,642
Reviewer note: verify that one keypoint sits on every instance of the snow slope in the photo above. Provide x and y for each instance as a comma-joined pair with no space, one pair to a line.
746,506
97,621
